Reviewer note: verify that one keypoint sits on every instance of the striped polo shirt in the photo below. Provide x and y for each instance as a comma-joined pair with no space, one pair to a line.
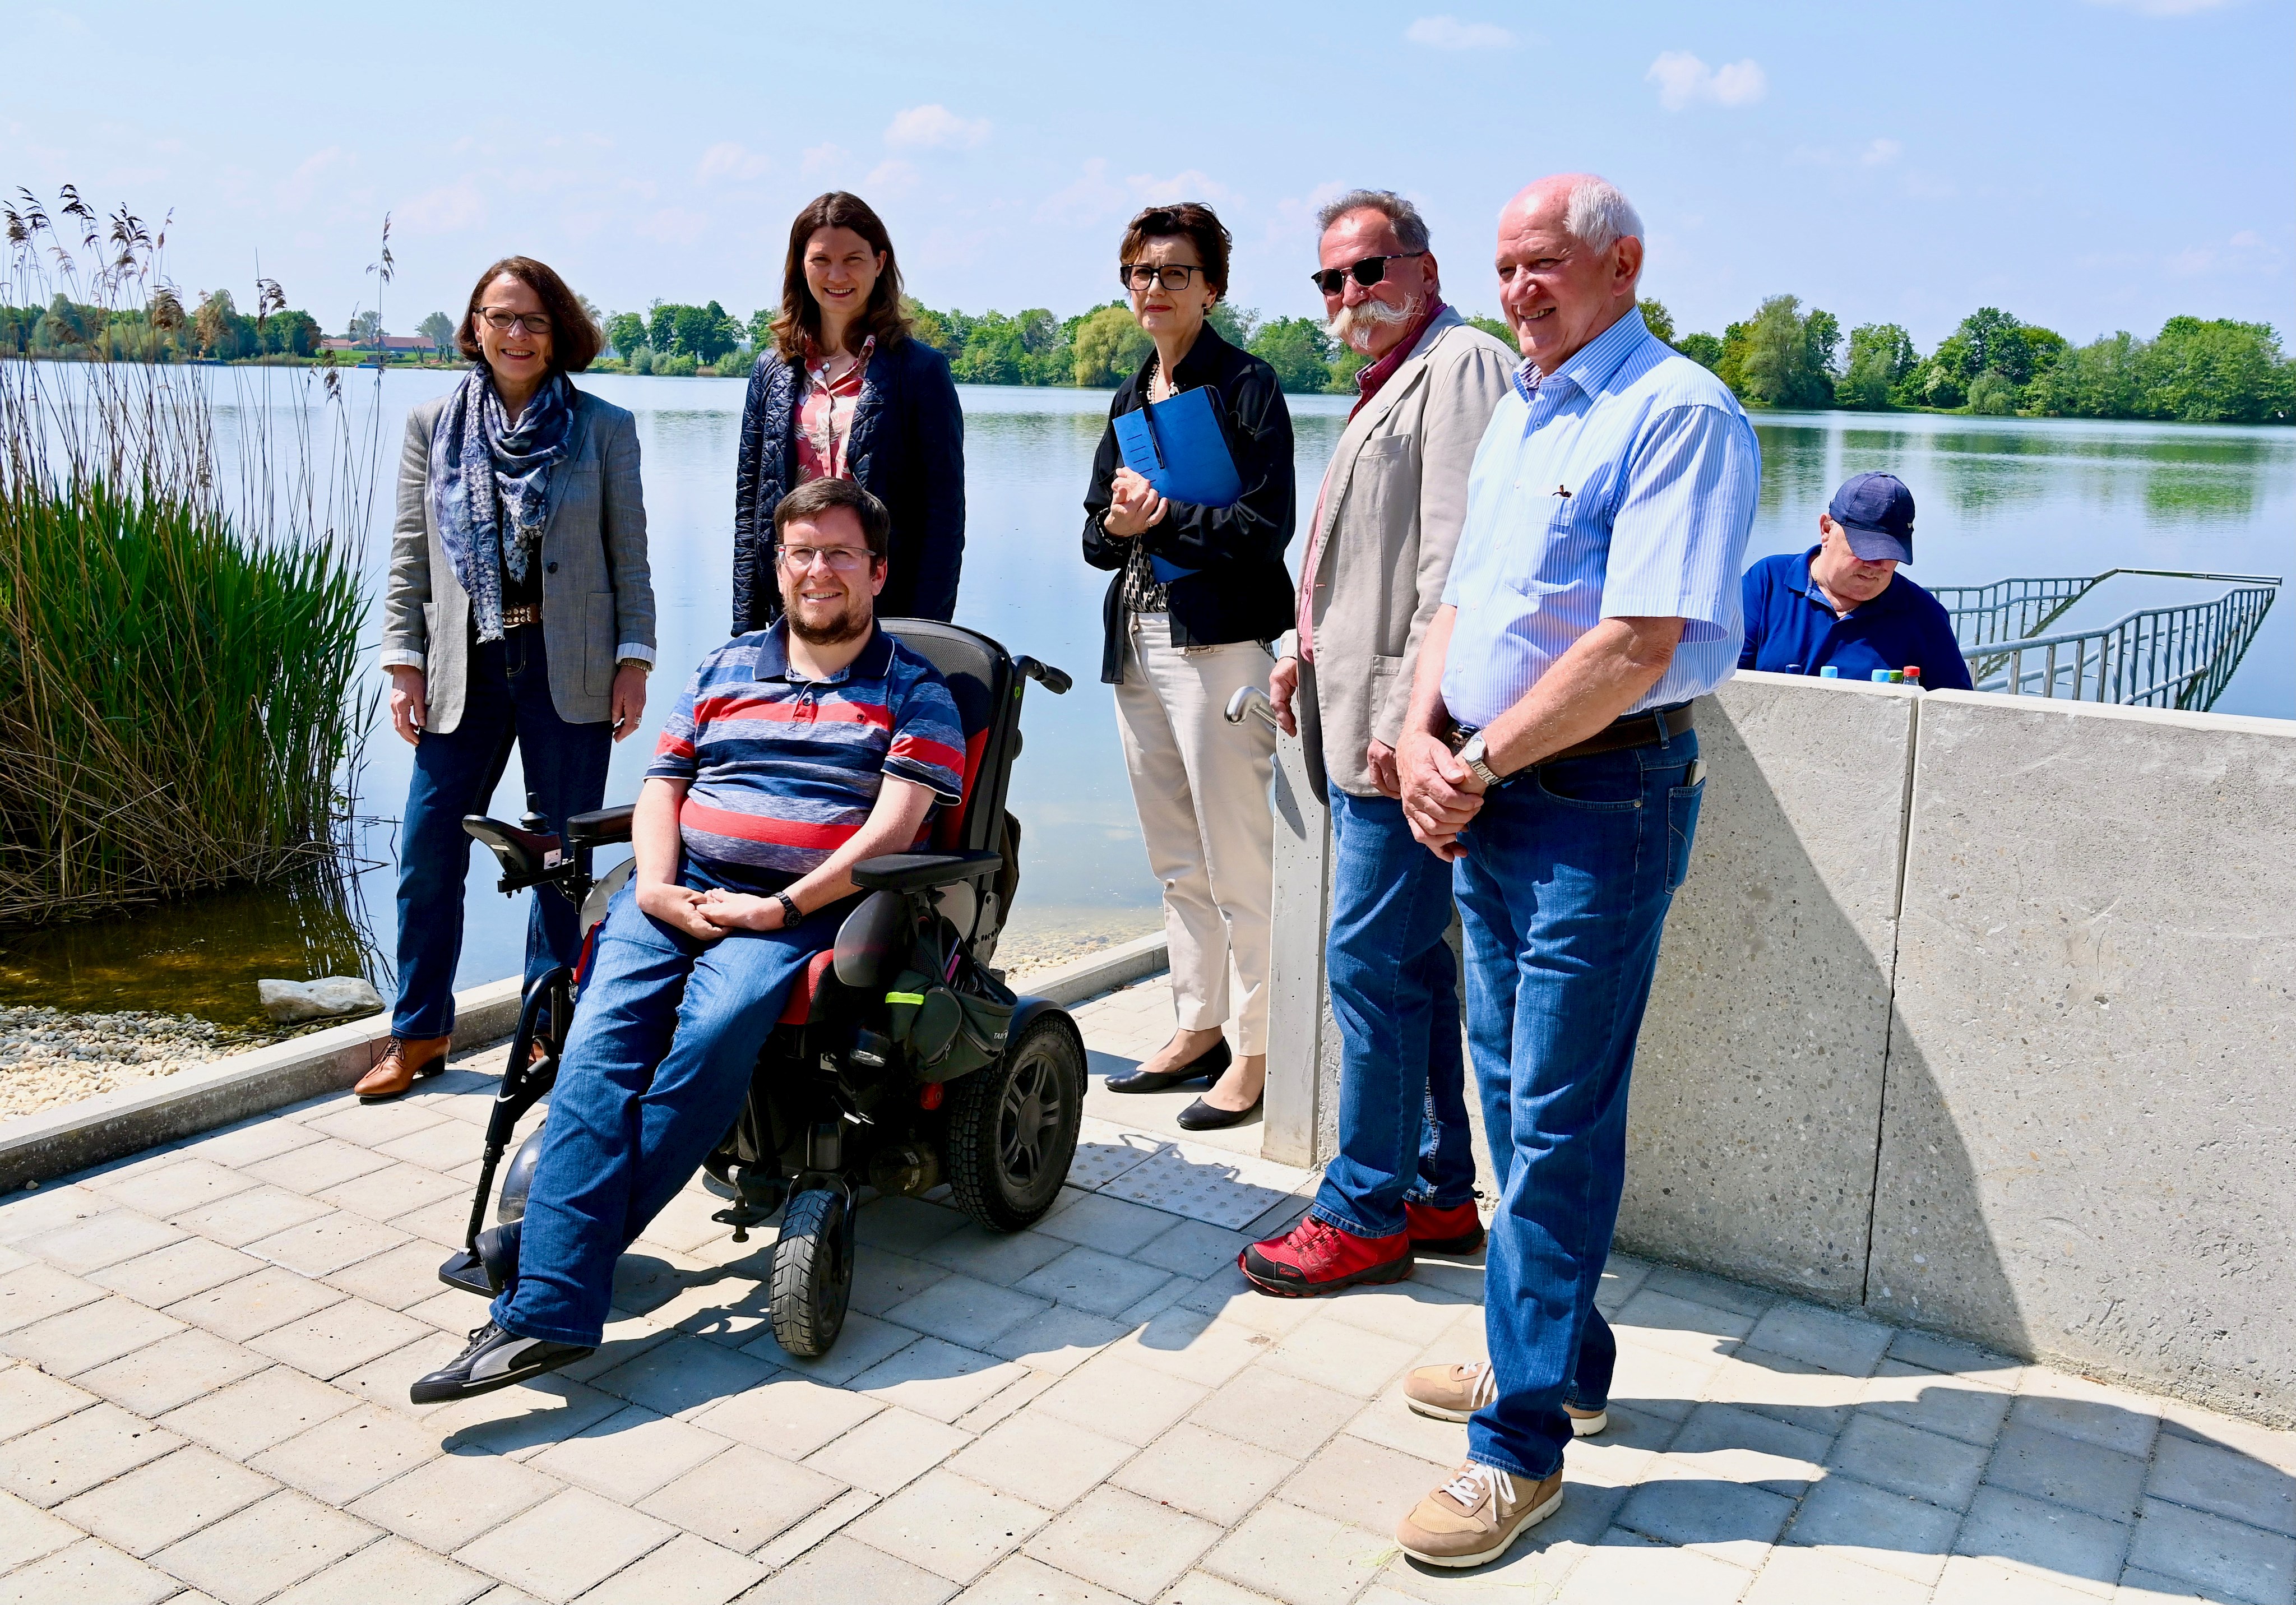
783,770
1621,486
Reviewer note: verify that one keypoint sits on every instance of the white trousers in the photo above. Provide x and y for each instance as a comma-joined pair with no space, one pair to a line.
1200,786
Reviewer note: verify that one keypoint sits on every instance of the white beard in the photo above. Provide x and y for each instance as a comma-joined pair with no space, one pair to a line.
1352,326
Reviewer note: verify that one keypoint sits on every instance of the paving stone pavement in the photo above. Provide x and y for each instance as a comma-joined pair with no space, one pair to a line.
205,1398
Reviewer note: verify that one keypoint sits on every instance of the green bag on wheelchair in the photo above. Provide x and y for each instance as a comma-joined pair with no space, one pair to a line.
948,1033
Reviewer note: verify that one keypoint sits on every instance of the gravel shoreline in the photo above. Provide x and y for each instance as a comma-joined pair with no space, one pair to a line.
52,1056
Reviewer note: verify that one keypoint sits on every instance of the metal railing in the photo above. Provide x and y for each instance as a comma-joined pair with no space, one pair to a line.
2010,610
2173,657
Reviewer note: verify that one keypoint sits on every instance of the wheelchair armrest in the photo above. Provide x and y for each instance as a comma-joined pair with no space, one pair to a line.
524,855
600,825
922,871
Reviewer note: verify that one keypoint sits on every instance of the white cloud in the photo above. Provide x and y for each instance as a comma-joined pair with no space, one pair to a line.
1685,81
2163,8
1448,33
1880,152
1091,199
891,177
821,161
2245,253
726,162
445,210
1194,185
935,127
298,186
674,225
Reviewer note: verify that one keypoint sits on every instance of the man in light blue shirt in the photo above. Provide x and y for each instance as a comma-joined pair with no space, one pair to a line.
1549,756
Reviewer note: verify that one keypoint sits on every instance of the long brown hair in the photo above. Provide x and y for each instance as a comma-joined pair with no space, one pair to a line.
800,318
574,339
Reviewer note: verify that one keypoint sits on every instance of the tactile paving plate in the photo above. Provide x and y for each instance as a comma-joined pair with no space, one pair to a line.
1105,1152
1204,1185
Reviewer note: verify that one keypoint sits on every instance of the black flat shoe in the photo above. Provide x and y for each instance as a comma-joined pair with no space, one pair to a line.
495,1359
1210,1064
1200,1115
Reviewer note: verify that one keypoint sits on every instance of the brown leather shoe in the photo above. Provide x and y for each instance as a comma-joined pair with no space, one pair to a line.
401,1062
1453,1393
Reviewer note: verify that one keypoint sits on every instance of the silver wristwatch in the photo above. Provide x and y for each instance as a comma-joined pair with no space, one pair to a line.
1471,753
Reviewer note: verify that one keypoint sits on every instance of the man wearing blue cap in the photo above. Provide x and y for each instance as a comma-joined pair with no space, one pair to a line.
1842,604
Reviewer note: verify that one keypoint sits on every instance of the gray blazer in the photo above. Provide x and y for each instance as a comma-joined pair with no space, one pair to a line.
1394,499
597,592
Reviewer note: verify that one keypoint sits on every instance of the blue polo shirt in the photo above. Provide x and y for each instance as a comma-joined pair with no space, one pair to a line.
1791,629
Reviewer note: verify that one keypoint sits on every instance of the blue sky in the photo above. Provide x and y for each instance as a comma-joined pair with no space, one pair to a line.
2086,165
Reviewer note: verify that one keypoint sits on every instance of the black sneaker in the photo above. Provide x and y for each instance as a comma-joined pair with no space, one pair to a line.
495,1359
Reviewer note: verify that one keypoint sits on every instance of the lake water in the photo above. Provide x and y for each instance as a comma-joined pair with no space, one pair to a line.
1997,497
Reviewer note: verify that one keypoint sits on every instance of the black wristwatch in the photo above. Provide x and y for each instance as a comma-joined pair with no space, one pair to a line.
789,914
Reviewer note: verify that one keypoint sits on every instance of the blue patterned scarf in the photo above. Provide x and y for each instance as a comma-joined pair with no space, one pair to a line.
485,473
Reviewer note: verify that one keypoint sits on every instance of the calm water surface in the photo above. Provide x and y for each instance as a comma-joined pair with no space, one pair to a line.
1997,497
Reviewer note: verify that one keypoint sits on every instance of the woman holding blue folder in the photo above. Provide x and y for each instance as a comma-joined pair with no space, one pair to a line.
1190,505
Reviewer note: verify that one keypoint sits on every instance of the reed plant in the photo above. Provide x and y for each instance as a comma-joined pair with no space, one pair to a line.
179,623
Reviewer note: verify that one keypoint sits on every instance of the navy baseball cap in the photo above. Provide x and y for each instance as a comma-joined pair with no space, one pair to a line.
1876,514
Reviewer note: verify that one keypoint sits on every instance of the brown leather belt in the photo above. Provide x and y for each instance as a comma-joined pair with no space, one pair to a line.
1647,728
514,618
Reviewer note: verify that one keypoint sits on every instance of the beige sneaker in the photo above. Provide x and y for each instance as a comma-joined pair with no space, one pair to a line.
1473,1517
1453,1393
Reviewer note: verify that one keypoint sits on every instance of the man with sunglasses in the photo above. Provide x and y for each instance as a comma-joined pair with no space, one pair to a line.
1379,550
796,753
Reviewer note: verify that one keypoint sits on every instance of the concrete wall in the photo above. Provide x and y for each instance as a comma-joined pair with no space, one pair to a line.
2088,1142
1975,1012
1757,1081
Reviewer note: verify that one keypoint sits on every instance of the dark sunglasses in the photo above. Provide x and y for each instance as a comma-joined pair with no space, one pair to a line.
1368,272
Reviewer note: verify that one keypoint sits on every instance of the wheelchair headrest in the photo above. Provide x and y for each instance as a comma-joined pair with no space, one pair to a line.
981,680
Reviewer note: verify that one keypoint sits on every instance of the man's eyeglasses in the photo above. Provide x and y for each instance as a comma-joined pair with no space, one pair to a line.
1368,272
1147,275
504,323
844,559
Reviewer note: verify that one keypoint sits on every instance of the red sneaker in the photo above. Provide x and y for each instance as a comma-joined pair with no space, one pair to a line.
1315,1257
1455,1230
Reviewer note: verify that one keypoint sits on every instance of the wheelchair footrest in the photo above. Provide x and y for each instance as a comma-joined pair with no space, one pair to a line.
463,1271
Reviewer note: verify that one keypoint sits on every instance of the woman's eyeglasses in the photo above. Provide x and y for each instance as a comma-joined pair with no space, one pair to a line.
1147,275
1368,272
504,323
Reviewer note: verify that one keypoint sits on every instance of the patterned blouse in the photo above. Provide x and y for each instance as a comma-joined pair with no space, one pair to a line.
825,418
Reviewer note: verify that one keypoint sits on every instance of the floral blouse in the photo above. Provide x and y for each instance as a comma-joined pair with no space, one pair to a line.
825,418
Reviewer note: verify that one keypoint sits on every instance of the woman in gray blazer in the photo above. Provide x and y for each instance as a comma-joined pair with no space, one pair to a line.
520,609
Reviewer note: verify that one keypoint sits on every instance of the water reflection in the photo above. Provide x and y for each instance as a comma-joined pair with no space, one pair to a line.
201,957
1997,498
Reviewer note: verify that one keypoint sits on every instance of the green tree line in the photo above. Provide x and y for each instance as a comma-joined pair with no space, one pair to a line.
2194,370
214,329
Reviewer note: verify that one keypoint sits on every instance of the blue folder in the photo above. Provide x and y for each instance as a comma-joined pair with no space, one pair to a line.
1177,445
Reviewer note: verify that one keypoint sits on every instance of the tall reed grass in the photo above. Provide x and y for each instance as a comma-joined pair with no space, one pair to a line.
178,630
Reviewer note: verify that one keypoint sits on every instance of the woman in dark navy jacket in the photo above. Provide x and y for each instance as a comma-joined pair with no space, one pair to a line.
845,392
1181,638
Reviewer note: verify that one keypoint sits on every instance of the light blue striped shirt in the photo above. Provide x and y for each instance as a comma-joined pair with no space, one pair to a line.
1662,471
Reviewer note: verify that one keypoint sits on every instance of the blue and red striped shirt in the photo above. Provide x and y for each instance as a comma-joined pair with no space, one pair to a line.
783,770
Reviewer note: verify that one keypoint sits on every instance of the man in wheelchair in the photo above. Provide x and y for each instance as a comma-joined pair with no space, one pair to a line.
796,753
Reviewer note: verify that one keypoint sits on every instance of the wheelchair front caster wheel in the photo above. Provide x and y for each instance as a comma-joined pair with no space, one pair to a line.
813,1271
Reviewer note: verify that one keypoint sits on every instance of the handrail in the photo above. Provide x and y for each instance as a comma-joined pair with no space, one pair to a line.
2171,657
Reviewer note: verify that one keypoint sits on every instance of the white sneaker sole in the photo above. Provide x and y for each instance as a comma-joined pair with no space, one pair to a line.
1485,1557
1580,1426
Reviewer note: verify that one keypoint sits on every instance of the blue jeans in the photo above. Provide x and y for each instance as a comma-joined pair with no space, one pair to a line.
1395,995
656,1065
1563,888
456,772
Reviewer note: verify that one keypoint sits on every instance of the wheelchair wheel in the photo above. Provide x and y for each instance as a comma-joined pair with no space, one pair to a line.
1012,1126
813,1273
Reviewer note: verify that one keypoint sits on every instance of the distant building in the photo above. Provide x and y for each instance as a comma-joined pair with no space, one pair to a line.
416,345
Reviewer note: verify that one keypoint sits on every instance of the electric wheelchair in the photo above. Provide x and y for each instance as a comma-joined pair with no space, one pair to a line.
854,1086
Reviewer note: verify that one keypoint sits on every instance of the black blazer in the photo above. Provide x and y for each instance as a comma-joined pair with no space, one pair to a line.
1242,591
907,449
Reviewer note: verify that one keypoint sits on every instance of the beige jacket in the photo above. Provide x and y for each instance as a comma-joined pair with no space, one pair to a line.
597,589
1394,499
